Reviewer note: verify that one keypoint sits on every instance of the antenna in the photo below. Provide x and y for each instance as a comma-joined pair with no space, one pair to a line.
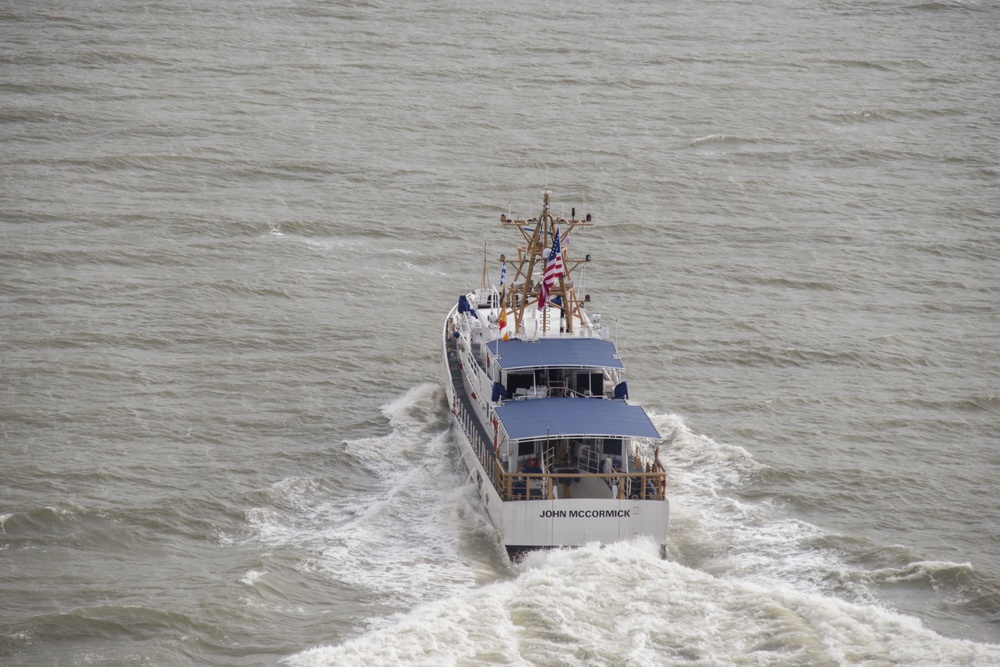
486,275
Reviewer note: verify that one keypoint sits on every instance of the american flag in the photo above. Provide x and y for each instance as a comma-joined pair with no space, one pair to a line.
502,318
553,270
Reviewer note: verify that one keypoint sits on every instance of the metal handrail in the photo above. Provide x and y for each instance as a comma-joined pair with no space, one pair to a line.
506,482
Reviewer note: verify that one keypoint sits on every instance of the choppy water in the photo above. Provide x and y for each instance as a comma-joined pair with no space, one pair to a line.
230,232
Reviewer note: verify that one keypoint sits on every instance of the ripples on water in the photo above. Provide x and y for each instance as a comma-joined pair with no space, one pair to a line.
230,233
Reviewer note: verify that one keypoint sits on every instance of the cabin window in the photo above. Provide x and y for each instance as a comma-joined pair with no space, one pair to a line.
517,381
526,448
592,383
612,447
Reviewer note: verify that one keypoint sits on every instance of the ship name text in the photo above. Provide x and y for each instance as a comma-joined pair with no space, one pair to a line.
584,514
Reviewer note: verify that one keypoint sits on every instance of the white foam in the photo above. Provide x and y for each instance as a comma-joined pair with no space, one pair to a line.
918,571
252,577
411,269
718,533
621,604
754,595
399,538
758,542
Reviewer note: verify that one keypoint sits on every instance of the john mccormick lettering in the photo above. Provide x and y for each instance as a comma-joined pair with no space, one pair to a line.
584,514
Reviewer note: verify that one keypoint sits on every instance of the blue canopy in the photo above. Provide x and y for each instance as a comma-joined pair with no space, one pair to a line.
581,417
556,353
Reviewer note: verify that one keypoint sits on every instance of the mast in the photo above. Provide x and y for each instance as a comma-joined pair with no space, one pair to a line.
529,268
486,272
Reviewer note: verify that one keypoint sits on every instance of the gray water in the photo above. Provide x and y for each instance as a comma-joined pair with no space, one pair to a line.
229,235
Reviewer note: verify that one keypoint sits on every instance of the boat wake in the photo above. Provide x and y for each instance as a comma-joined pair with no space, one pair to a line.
743,584
389,529
718,533
621,604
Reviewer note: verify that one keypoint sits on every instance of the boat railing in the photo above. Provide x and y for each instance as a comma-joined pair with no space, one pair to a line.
573,393
589,460
485,449
647,485
541,486
548,458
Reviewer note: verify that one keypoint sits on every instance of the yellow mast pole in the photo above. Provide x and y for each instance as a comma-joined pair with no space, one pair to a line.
486,273
522,291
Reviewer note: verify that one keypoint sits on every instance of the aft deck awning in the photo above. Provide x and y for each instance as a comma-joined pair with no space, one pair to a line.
555,352
569,417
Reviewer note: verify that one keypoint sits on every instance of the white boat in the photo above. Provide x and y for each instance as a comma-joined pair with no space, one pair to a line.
559,454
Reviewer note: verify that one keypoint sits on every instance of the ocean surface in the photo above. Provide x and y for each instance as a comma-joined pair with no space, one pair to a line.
230,232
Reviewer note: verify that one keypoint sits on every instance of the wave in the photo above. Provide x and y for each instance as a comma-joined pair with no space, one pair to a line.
934,573
943,6
621,604
384,530
720,526
730,139
78,526
111,622
861,64
715,531
398,533
864,115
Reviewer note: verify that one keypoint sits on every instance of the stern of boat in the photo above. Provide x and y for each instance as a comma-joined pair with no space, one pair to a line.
541,524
